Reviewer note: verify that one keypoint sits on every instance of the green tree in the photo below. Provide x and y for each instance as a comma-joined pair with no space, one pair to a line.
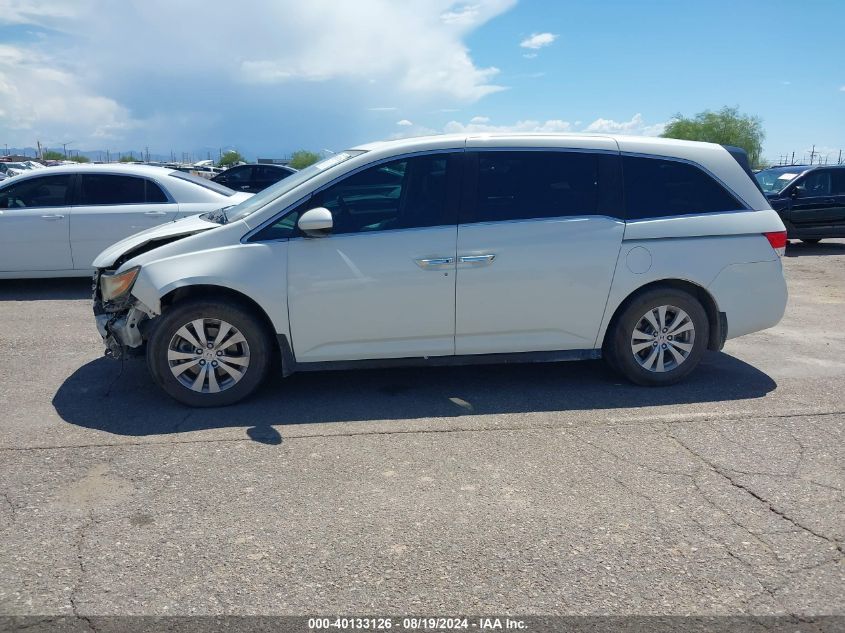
53,155
230,158
728,126
127,158
302,158
80,159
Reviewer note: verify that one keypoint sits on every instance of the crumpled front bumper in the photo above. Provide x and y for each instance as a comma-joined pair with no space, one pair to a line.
121,323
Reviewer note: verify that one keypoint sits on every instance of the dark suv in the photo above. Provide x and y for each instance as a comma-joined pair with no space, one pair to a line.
253,178
809,199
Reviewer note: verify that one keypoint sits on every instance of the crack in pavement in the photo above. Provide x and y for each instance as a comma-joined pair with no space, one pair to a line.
80,542
769,505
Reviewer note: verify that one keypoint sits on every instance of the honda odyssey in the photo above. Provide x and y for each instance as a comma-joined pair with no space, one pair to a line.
450,250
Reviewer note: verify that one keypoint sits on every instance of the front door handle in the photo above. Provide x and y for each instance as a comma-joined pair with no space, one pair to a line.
435,262
477,259
155,214
53,216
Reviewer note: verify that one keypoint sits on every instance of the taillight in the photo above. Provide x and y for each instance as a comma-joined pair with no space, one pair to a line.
778,241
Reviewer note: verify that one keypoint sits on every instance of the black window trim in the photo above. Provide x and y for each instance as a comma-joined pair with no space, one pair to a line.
746,207
77,192
247,238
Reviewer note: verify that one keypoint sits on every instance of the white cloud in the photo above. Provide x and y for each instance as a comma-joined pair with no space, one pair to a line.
480,125
538,40
529,55
528,125
842,89
421,59
40,101
635,126
404,123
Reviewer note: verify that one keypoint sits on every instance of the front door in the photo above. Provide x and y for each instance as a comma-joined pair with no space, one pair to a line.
34,221
382,284
111,207
536,250
817,203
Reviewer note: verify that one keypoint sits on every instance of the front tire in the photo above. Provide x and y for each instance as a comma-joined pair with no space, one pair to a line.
659,338
207,354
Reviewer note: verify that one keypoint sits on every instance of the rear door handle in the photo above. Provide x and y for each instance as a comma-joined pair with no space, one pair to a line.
53,216
435,262
155,214
477,259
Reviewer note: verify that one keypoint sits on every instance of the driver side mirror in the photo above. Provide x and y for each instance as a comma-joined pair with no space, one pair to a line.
316,222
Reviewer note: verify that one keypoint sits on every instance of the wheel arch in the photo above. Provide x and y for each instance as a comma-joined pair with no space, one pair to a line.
218,293
716,320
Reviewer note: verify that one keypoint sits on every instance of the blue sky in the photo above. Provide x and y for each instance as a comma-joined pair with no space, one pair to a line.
268,77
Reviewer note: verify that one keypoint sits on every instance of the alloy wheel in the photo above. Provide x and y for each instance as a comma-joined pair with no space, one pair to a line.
208,355
663,339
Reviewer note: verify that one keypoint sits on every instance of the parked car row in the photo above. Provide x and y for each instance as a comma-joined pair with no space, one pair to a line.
810,200
55,221
448,250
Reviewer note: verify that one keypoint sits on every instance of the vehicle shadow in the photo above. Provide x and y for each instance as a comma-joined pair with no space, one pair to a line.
801,249
45,289
124,401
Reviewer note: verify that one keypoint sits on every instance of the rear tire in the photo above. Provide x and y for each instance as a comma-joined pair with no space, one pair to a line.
208,354
658,338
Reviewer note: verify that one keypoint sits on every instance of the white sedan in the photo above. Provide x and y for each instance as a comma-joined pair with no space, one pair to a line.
54,222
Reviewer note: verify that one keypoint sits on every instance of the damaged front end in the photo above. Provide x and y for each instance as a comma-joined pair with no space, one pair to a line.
122,320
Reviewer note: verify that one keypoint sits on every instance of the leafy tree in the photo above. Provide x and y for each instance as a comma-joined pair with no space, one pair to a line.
53,155
79,159
127,158
728,126
302,158
231,158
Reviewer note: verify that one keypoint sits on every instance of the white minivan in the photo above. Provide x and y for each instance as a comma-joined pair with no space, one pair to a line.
451,250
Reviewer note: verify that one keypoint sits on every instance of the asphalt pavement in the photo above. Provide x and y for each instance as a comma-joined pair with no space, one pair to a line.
530,489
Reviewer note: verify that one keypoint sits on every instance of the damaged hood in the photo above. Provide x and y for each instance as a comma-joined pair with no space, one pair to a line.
162,233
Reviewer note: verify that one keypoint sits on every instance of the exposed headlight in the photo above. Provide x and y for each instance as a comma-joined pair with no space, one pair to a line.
114,286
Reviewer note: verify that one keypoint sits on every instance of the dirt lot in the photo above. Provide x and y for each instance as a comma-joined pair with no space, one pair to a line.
526,489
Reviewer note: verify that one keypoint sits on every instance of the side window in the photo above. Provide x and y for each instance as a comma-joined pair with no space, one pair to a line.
98,189
155,193
535,184
408,193
656,188
272,174
838,182
238,175
45,191
816,183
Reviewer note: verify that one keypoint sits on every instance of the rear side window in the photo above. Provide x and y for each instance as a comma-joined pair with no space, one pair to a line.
100,189
515,185
45,191
656,188
838,182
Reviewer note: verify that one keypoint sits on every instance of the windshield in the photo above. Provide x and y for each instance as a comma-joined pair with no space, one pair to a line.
259,200
776,180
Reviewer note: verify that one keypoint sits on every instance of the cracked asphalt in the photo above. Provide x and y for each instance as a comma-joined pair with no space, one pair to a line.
534,489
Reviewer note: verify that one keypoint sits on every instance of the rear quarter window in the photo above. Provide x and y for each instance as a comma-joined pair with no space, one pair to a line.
656,187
